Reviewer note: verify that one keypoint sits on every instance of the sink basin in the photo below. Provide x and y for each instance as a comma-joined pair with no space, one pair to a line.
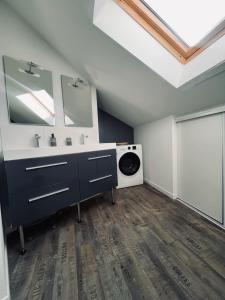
13,154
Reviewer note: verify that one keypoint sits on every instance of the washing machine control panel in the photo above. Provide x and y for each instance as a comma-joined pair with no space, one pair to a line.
132,147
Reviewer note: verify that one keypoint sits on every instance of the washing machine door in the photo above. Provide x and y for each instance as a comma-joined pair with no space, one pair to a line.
129,164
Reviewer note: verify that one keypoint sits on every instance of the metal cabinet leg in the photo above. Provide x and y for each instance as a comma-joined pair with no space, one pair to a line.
78,211
113,197
22,241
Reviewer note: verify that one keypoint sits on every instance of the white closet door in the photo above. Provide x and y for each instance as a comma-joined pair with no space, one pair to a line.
200,164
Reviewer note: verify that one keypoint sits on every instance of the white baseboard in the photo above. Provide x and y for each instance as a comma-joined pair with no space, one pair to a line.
200,213
160,189
174,197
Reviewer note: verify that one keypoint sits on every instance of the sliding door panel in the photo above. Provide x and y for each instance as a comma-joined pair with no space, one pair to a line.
200,164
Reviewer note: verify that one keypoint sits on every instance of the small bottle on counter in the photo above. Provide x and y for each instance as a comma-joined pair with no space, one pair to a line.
52,140
68,141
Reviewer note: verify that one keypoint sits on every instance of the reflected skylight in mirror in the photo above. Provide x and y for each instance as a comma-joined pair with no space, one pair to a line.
191,21
68,121
41,104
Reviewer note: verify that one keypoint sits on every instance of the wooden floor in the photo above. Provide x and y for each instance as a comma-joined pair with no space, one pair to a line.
144,247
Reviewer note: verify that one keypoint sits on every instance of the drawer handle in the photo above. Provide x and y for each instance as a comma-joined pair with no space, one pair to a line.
99,157
49,194
46,166
100,178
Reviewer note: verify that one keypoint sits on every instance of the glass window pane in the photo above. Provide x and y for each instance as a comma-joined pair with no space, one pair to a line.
192,21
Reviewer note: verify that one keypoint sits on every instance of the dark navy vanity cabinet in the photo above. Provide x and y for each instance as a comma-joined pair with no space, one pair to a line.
38,187
97,172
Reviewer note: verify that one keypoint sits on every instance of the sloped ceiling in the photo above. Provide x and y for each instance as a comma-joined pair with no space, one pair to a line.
126,87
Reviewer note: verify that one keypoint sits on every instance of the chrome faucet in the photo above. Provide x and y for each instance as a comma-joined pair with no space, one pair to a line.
37,138
82,138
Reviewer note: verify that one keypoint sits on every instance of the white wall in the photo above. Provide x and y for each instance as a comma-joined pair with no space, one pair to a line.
19,41
4,282
159,152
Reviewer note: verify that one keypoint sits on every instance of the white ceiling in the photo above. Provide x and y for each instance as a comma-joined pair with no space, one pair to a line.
127,88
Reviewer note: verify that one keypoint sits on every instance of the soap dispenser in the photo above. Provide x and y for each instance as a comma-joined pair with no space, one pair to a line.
68,141
52,140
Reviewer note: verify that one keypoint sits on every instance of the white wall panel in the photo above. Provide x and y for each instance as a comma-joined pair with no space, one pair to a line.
4,281
200,164
158,142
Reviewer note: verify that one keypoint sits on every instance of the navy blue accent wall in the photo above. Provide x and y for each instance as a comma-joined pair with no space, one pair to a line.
112,130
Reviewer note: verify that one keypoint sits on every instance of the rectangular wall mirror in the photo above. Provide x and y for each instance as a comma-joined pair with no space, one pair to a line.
29,93
77,102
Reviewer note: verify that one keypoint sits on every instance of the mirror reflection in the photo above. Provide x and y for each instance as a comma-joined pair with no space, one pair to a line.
29,93
77,102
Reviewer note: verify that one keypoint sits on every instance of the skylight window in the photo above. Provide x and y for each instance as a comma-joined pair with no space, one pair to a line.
191,21
185,29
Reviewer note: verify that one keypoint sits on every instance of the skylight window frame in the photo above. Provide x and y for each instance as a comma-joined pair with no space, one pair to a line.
153,24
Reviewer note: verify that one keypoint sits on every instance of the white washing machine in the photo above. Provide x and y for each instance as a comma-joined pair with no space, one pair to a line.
129,165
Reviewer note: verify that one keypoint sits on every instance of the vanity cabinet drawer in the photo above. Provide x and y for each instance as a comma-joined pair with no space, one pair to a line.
39,172
106,165
97,185
87,166
98,163
33,204
97,172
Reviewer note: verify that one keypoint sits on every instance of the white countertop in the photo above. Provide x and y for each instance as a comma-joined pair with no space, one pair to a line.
53,151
